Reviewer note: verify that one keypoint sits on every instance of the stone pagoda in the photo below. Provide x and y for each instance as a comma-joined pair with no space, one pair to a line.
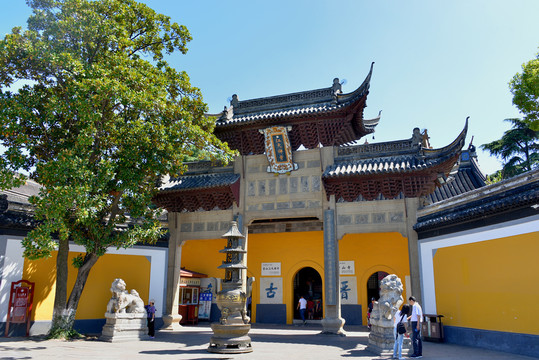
230,334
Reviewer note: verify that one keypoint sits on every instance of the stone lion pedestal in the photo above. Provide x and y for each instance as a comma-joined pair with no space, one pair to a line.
126,316
382,340
124,327
381,337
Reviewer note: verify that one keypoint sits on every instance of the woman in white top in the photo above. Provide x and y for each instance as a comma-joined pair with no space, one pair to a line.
401,316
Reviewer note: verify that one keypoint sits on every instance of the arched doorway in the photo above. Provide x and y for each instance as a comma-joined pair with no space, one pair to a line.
308,283
373,285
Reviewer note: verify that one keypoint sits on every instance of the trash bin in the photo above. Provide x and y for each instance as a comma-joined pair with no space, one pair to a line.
432,328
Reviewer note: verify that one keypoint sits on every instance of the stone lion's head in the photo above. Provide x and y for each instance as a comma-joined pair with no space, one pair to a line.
118,285
391,283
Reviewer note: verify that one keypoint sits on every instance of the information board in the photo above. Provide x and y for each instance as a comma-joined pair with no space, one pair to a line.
20,304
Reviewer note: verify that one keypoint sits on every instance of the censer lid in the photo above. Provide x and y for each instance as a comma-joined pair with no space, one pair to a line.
233,231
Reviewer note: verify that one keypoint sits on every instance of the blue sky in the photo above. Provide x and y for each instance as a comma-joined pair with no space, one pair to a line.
436,62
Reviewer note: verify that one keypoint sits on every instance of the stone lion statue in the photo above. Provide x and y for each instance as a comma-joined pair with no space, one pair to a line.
122,301
390,298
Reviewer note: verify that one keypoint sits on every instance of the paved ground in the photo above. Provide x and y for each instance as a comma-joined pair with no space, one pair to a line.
269,342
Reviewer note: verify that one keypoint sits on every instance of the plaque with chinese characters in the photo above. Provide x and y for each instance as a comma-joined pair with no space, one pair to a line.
278,150
271,290
271,269
346,267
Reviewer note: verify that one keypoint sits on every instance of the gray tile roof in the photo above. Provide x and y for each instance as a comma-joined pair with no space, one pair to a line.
463,181
16,212
519,192
203,181
274,114
21,194
395,157
397,164
310,102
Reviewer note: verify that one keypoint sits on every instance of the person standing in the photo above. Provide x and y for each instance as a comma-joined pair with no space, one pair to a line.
416,318
150,311
310,309
302,306
401,317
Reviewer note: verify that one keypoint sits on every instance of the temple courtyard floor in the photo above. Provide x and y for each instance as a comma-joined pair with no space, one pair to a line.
268,342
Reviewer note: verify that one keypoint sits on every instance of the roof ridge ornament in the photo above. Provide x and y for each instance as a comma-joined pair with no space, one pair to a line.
234,101
337,86
417,137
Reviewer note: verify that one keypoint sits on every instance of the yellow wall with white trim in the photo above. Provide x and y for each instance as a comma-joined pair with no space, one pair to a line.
295,250
373,252
133,269
490,285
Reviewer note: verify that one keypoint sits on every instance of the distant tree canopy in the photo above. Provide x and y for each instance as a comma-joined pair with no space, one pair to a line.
103,119
525,89
518,148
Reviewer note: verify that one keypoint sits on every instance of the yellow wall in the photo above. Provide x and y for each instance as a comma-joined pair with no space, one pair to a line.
294,251
203,256
135,270
371,253
490,285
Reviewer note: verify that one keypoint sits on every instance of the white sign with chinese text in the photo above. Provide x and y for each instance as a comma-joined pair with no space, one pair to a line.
209,285
189,282
348,290
271,290
208,290
271,269
347,267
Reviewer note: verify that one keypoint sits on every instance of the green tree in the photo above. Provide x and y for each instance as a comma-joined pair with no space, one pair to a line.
517,148
103,119
525,89
495,177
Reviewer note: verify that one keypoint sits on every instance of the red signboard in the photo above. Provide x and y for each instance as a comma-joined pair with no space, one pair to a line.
21,300
20,305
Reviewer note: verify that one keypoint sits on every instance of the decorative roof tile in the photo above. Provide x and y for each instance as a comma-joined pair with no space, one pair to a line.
289,105
390,169
400,164
391,157
204,181
468,177
196,192
274,114
322,116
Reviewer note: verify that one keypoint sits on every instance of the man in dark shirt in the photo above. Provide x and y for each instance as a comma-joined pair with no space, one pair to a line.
150,310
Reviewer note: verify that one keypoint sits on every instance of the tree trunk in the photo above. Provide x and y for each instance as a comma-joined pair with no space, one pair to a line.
60,295
527,153
82,275
64,319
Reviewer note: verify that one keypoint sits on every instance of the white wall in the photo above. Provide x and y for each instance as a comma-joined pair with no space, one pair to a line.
13,266
11,270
